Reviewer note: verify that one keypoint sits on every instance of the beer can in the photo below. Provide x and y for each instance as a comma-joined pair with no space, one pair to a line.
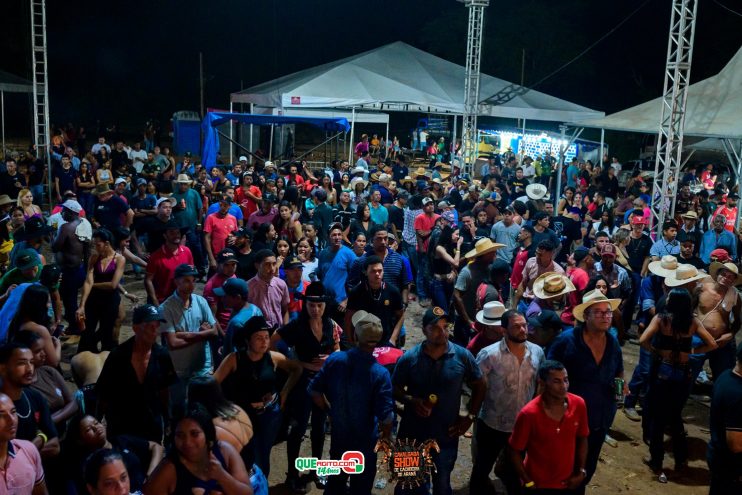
618,389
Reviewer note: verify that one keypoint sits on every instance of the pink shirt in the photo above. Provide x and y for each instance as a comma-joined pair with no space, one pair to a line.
272,298
219,228
22,470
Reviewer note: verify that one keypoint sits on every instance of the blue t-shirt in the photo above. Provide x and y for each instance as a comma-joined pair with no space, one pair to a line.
238,320
108,213
380,215
572,174
146,203
334,268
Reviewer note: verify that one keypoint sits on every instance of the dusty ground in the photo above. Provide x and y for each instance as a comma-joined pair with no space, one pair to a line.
620,470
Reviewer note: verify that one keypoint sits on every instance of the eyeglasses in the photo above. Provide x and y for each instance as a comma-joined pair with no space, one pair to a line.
602,314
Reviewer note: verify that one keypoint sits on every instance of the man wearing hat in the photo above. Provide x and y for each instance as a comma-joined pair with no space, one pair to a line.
335,263
153,226
429,380
32,236
188,326
233,294
143,204
27,268
549,290
226,267
593,360
296,285
690,228
542,262
718,237
187,213
465,289
109,209
159,281
424,224
619,281
510,368
130,405
71,250
356,392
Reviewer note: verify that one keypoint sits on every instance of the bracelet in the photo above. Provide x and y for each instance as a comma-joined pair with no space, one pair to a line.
43,437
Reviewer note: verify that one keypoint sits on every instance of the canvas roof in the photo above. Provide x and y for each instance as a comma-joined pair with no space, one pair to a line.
10,83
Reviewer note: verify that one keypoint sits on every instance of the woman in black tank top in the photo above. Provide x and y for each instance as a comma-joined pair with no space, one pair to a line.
248,378
668,338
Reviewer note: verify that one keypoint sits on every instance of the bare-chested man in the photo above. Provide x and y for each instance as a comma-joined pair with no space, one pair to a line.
71,251
717,301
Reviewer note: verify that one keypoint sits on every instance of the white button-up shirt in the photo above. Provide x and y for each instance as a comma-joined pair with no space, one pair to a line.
511,383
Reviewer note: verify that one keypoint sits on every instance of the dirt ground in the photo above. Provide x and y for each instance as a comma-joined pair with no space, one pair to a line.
620,469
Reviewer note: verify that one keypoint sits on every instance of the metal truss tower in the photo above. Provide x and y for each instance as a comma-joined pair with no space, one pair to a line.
677,80
471,85
40,85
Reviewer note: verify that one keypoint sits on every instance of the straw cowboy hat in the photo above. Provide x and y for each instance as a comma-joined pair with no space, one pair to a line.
5,200
685,274
421,172
593,297
492,313
374,177
183,179
483,246
690,215
536,191
358,180
665,267
716,266
552,284
407,180
101,189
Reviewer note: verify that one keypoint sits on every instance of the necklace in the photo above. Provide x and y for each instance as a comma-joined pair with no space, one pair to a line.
29,407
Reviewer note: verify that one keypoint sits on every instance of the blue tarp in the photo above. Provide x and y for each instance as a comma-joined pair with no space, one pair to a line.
214,119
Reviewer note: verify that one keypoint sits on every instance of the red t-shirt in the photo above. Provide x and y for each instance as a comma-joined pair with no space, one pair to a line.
248,205
222,313
729,213
424,222
161,266
518,265
580,278
219,228
551,445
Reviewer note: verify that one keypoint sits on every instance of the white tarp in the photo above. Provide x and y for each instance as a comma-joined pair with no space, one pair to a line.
399,77
713,108
365,117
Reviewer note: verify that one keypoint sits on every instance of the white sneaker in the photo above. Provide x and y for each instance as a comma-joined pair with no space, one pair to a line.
631,413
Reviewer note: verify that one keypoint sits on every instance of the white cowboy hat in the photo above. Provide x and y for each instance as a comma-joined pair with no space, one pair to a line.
183,179
593,297
716,266
665,267
358,170
685,274
552,284
358,180
536,191
492,313
483,246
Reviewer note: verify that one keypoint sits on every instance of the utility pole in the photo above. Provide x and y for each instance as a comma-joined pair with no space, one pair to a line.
674,98
470,138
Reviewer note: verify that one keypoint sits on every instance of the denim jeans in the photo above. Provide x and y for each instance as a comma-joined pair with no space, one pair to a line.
300,406
423,276
360,484
441,478
720,360
630,304
411,254
193,241
441,293
639,379
666,399
69,287
490,443
265,427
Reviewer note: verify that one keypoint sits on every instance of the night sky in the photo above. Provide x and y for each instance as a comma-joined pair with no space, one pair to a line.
128,61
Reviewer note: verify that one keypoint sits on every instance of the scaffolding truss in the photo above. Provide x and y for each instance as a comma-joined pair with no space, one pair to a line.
471,85
40,86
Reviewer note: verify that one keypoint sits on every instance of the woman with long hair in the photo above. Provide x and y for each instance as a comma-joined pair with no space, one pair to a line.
85,183
86,435
104,175
282,249
445,257
606,224
307,253
106,474
326,184
345,183
199,462
359,243
34,313
566,200
100,294
362,222
286,223
264,237
314,336
249,378
668,337
25,201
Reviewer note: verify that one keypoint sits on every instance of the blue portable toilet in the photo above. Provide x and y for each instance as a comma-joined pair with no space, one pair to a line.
186,132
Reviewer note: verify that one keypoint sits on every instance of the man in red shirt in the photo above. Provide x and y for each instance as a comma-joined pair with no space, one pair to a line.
247,196
424,224
729,210
160,279
521,257
217,228
553,422
580,265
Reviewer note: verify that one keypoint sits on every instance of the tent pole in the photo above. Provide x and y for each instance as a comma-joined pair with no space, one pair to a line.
249,141
352,130
387,134
599,161
2,114
453,140
562,152
231,132
523,140
270,145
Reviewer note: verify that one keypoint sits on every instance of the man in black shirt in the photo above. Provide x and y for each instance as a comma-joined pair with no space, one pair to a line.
569,229
133,385
396,213
64,178
687,249
544,233
245,254
11,182
109,209
382,300
343,212
724,453
516,186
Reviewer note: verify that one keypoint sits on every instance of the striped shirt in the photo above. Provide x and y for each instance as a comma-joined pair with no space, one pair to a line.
395,273
408,233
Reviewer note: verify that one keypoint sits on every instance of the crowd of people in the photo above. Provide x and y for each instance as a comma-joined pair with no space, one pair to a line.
528,296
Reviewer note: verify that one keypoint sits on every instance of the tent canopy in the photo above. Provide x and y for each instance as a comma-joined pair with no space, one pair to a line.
214,119
713,108
10,83
400,77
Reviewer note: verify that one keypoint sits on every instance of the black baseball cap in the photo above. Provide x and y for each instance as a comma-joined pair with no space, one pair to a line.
145,313
225,256
292,262
185,270
432,315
